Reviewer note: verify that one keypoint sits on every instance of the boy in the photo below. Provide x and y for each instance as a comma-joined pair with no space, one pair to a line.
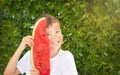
61,62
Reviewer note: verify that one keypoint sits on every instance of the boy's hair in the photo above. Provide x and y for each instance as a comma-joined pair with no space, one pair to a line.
51,19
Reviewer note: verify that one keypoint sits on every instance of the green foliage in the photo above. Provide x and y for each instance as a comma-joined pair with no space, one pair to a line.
90,27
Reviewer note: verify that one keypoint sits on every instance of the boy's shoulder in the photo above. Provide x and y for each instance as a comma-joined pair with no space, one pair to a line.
66,54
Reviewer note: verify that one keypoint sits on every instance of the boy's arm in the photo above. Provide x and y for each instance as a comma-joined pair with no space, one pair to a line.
11,68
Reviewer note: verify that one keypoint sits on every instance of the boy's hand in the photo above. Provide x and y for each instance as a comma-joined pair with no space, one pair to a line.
26,41
34,71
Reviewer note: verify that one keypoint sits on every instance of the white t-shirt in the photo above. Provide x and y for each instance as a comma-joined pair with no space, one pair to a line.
62,64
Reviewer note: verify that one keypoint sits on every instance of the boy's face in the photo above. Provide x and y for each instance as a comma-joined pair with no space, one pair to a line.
55,36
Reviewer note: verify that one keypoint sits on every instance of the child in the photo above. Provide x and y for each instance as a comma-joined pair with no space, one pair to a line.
61,62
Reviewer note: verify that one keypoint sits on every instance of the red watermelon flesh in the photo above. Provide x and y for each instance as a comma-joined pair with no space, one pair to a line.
40,49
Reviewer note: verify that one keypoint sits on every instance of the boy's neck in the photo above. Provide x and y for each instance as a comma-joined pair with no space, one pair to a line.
53,53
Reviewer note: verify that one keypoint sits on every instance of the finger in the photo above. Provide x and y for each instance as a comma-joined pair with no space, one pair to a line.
29,43
28,40
34,71
31,40
30,37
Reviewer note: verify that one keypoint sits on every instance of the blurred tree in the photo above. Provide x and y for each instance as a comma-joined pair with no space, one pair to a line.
90,27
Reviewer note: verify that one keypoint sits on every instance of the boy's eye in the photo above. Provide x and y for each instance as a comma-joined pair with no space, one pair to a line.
57,31
48,34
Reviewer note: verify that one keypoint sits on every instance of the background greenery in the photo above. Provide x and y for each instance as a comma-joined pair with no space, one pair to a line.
91,30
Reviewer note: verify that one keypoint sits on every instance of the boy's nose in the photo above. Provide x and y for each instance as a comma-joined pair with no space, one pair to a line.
52,36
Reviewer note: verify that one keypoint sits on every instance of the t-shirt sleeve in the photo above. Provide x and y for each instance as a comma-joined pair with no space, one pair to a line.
23,62
69,64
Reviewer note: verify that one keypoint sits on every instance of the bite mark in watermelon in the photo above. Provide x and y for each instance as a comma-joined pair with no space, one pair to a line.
40,53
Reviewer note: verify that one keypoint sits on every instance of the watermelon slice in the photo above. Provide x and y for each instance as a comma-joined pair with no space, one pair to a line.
40,53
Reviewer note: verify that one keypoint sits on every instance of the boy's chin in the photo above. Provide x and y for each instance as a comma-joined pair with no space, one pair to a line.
55,48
